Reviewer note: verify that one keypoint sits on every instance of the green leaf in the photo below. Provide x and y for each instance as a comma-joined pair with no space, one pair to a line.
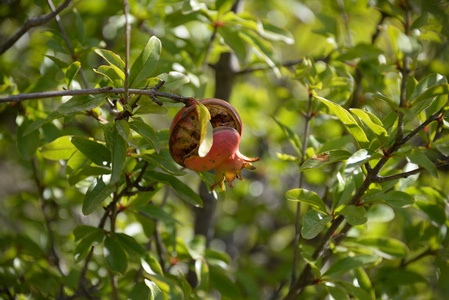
80,167
348,263
337,293
386,247
436,90
26,144
156,293
41,122
61,148
345,117
96,152
359,158
202,271
183,190
173,80
124,130
117,64
306,196
145,131
147,107
130,244
157,213
397,199
97,192
355,215
119,149
145,62
83,230
274,33
94,236
441,144
153,264
325,158
223,283
232,38
140,291
313,222
71,72
223,6
264,48
110,74
292,136
427,82
163,162
371,121
115,256
81,103
419,158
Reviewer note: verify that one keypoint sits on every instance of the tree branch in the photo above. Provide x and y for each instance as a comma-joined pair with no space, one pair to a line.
428,252
102,90
30,23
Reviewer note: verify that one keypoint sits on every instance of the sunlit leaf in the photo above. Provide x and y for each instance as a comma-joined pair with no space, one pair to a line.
61,148
345,117
71,72
306,196
145,62
117,64
325,158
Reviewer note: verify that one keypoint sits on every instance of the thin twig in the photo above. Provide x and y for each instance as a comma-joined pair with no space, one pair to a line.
127,45
30,23
404,72
67,42
102,90
301,183
48,221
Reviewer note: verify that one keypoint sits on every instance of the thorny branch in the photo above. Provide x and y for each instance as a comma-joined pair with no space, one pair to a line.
30,23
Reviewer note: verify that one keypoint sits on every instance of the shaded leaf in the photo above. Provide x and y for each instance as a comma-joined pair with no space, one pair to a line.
96,152
118,148
386,247
81,103
419,158
312,223
183,190
97,192
355,215
146,131
348,263
115,256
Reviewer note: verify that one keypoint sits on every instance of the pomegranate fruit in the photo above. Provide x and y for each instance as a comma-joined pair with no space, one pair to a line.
224,156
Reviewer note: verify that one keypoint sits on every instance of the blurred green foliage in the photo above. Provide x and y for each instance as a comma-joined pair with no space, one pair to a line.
93,207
